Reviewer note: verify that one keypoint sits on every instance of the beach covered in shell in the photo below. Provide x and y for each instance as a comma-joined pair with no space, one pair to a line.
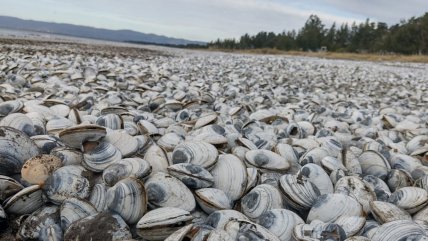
117,142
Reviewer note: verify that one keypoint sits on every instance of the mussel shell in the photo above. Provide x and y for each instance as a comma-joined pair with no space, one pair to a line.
101,226
128,167
164,190
15,148
212,199
261,199
128,198
159,223
193,176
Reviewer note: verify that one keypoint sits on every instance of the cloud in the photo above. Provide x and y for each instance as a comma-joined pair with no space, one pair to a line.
209,19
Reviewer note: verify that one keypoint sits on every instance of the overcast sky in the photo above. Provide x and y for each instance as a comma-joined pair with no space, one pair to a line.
209,19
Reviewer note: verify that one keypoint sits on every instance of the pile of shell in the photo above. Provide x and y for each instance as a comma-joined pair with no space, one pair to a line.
211,148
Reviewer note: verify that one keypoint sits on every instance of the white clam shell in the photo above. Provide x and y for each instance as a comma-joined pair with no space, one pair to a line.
385,212
196,152
25,201
411,199
73,209
268,160
128,167
280,222
212,199
329,207
193,176
230,175
261,199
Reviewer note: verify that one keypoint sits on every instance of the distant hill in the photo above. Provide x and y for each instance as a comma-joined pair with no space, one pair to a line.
91,32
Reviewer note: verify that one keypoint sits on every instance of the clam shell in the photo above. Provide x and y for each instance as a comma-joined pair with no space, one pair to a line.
280,222
379,187
157,159
128,167
180,234
399,230
318,177
385,212
67,181
200,153
230,175
57,124
329,207
8,187
170,140
37,169
75,136
245,230
20,122
411,199
314,156
111,121
100,226
39,220
164,190
319,231
98,158
268,160
68,156
15,148
212,199
218,219
398,178
299,192
158,224
261,199
128,198
98,197
10,106
46,143
421,217
205,120
125,143
73,209
252,178
351,224
357,189
373,163
25,201
193,176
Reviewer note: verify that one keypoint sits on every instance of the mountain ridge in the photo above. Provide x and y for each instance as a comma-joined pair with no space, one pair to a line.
121,35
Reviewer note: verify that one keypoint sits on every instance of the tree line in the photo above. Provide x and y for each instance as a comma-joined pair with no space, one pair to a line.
407,37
